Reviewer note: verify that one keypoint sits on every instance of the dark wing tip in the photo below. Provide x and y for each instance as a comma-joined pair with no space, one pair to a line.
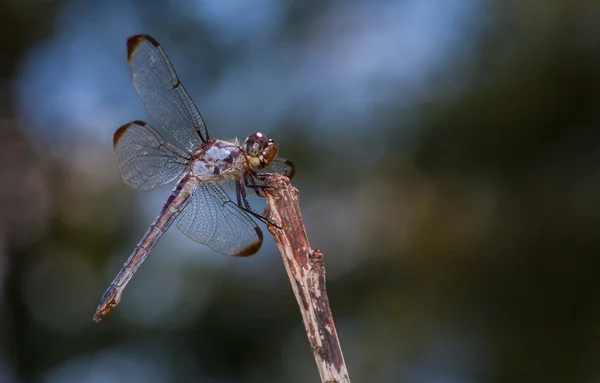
253,247
292,169
121,131
134,42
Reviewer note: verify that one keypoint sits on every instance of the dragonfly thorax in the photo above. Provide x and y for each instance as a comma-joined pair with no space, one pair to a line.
220,159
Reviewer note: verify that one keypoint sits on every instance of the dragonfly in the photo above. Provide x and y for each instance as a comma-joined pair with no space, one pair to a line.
181,148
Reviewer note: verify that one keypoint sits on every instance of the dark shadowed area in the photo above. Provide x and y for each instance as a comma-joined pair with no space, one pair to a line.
447,156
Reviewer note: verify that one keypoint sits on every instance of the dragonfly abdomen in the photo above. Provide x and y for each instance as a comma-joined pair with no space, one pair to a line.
176,202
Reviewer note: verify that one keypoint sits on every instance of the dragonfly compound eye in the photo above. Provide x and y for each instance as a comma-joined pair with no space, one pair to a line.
255,144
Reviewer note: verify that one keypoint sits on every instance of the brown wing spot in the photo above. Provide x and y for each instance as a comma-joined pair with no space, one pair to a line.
121,131
134,42
253,247
292,169
151,40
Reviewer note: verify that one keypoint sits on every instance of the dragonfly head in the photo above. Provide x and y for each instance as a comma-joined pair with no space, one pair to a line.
260,150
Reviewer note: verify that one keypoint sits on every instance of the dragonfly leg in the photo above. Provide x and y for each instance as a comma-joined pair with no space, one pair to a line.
251,183
238,194
261,218
250,180
244,204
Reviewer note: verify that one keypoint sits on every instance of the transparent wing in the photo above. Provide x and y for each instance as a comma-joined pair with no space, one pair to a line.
145,158
165,98
281,166
211,218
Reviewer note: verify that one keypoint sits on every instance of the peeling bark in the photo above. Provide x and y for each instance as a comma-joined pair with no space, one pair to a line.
306,271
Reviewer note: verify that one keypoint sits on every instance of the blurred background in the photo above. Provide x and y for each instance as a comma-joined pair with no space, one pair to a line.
448,160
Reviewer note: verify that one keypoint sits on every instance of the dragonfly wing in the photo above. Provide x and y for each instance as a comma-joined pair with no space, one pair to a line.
145,158
165,98
211,218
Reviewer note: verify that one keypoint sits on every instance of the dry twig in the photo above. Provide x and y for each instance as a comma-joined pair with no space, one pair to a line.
306,272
